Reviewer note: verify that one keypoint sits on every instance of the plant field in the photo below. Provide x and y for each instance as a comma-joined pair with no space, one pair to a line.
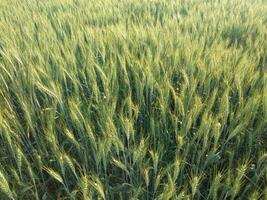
133,99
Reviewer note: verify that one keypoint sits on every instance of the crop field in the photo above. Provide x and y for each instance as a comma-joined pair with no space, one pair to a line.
133,99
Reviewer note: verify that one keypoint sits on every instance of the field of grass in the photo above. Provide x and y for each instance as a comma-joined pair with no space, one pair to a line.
133,99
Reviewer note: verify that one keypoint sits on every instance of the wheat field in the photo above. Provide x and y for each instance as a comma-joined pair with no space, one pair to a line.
133,99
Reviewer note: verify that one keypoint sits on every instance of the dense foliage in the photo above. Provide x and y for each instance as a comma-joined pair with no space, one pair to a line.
133,99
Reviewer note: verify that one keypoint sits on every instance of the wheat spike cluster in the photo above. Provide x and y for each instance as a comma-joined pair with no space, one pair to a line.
133,99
